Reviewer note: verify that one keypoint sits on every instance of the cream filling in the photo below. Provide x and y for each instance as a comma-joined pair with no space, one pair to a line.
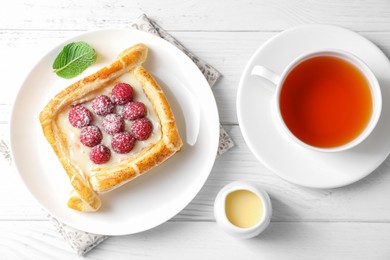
79,154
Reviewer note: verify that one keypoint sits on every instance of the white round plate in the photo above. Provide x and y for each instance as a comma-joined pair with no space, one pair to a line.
273,148
150,199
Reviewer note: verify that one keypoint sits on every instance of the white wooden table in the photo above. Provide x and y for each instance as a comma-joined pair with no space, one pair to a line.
346,223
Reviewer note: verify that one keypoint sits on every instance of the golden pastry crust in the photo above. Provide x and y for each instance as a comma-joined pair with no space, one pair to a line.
170,142
84,196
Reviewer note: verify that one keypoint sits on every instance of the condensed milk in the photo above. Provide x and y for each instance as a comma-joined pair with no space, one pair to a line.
243,210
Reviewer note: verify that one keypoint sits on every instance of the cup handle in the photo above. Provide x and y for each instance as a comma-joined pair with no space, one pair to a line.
266,74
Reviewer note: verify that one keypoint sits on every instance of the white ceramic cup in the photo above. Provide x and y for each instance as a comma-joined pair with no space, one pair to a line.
222,219
278,81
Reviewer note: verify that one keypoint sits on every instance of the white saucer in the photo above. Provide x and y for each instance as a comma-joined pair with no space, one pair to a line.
284,157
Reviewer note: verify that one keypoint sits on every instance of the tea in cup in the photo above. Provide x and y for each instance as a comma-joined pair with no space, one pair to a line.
326,100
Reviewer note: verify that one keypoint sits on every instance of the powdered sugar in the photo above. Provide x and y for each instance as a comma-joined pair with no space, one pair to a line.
122,93
113,124
79,116
91,136
100,154
123,142
102,105
134,110
80,154
141,128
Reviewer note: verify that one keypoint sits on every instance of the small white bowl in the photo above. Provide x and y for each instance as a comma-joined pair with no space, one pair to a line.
223,221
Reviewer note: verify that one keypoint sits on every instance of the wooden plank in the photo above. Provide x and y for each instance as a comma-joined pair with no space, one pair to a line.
195,15
366,200
226,51
186,240
32,240
280,241
19,52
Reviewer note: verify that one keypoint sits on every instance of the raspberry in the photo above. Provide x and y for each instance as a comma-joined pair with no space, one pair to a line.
113,124
79,116
141,128
134,110
91,136
122,93
102,105
100,154
123,142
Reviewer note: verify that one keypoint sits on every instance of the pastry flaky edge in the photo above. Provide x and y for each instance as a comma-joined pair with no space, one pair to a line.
84,196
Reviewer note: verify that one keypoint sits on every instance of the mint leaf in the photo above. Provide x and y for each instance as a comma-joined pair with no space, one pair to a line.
74,59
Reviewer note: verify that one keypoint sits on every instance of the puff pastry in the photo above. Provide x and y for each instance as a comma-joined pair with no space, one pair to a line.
86,178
